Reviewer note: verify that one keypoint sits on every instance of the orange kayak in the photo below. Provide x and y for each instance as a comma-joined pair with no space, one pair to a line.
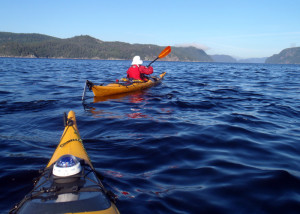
123,87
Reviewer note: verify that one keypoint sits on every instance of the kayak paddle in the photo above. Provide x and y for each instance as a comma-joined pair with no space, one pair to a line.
163,54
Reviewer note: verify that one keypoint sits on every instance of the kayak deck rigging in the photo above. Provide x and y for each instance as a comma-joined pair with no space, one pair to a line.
83,183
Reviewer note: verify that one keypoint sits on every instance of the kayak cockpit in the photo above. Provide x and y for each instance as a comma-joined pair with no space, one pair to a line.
82,192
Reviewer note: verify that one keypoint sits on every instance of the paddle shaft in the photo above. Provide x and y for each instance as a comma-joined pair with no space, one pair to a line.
164,53
153,61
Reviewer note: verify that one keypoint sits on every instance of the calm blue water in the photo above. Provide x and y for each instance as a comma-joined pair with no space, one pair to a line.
212,138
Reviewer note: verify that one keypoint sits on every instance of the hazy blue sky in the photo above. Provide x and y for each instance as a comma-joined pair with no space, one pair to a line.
240,28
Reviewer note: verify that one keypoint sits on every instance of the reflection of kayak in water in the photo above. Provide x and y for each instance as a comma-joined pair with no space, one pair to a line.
69,183
137,97
123,87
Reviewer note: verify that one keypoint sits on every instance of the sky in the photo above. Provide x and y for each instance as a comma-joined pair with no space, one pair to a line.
239,28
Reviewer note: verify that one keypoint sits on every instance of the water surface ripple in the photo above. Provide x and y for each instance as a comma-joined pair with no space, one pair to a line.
212,138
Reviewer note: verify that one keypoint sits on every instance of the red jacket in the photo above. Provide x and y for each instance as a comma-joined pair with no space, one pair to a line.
138,72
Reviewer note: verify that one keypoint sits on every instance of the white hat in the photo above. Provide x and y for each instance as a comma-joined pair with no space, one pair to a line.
137,60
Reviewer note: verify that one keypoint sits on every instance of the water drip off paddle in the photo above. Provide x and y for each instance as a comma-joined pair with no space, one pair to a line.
163,54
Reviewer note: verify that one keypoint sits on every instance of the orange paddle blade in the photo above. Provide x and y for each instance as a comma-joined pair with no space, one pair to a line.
165,52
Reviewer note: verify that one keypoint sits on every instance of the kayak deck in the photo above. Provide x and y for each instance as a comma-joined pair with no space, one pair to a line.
118,88
70,142
79,193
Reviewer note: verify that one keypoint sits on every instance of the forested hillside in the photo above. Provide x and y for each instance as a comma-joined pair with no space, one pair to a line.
87,47
286,56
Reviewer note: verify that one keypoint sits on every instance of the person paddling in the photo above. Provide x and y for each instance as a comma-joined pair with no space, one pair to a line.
137,71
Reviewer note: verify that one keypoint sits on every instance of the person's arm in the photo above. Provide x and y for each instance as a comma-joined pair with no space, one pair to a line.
146,70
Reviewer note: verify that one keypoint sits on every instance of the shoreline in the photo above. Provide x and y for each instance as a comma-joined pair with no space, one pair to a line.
95,58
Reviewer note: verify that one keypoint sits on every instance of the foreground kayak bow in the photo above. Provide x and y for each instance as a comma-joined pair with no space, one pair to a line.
69,183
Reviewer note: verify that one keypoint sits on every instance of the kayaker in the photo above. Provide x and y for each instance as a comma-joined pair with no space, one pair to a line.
137,71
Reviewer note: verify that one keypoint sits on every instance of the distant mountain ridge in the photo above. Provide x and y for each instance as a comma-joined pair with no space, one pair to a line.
230,59
87,47
223,58
23,37
286,56
253,60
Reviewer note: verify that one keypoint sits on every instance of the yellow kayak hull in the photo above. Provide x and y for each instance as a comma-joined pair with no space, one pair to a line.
90,195
70,143
117,88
